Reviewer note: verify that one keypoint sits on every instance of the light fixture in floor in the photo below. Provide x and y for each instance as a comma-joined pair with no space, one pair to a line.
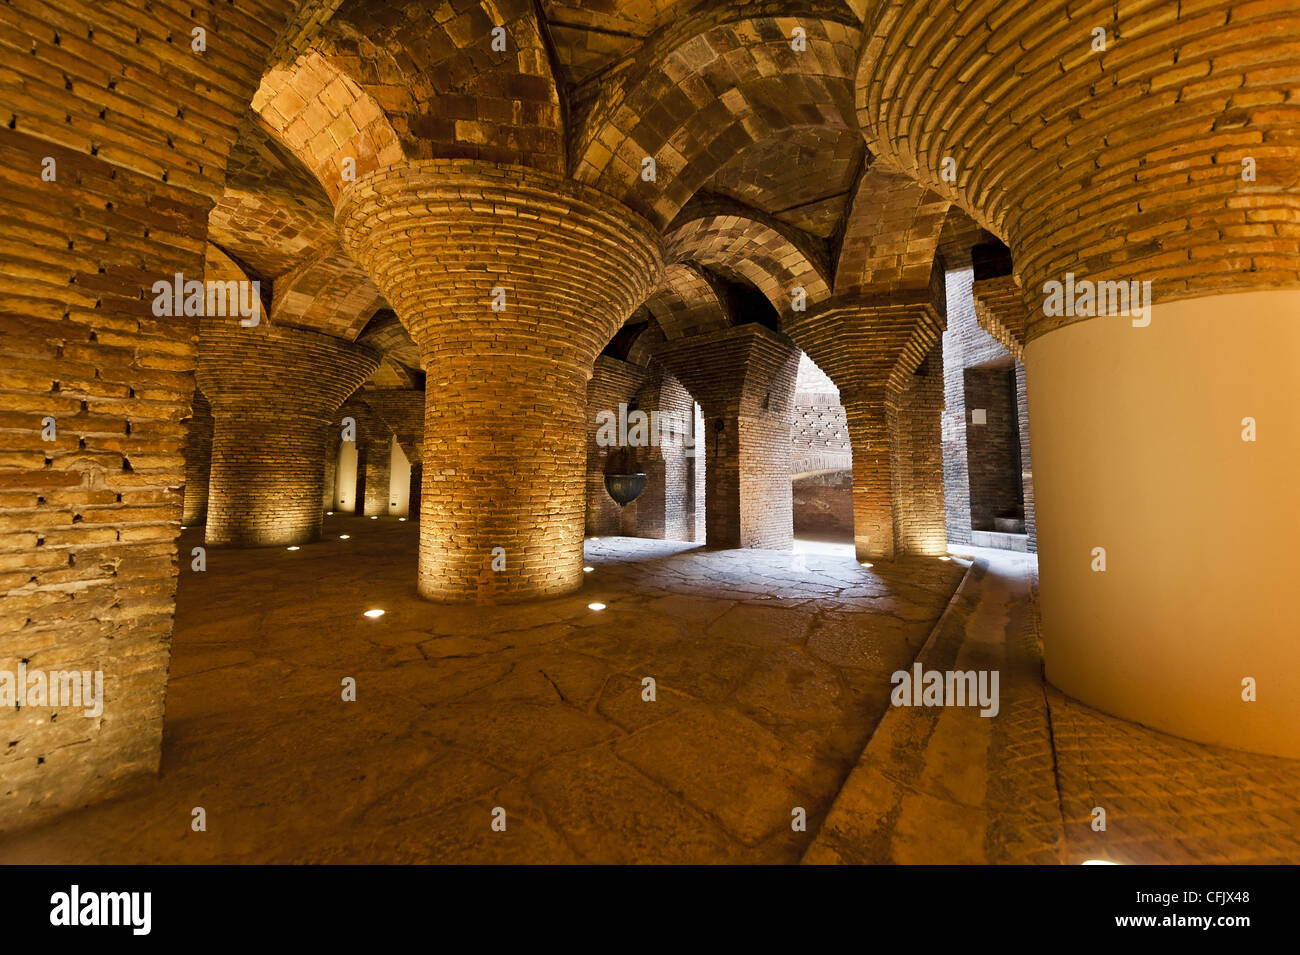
596,606
945,558
372,614
329,513
374,517
866,563
401,519
344,537
587,570
1099,862
292,547
182,527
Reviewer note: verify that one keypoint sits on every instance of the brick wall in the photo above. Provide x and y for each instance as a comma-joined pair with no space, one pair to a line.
993,447
139,128
612,382
666,509
1123,164
916,459
872,350
823,504
197,451
966,344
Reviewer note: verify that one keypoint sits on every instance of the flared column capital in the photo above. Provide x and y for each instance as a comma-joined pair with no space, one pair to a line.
499,259
279,368
867,344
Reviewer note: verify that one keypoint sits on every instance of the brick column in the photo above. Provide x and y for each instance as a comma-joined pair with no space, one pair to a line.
378,454
197,450
744,380
273,393
666,509
885,360
612,382
504,453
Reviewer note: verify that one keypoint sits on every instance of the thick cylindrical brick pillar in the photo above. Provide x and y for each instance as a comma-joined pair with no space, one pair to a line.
273,392
510,281
886,360
744,380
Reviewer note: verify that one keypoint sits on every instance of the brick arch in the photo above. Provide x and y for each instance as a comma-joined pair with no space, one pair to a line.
324,117
747,246
446,92
686,303
273,236
712,94
891,234
329,293
1144,181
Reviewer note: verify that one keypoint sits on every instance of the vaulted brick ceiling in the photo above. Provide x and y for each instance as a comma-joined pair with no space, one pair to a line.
764,173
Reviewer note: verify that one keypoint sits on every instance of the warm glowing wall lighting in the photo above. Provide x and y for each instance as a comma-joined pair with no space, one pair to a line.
595,606
372,614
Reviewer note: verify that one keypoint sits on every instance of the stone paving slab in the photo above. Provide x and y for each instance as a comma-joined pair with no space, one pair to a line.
943,785
765,698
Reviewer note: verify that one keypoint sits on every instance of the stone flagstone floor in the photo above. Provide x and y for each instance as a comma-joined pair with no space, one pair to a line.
772,673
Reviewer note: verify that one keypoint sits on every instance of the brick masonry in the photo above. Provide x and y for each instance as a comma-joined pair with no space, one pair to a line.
666,509
613,382
504,454
874,353
967,344
197,450
139,128
743,379
1122,164
274,392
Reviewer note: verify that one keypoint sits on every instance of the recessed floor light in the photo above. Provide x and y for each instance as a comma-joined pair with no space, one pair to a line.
344,537
587,570
374,517
401,518
372,614
292,547
866,563
595,606
1099,862
945,558
329,513
182,527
